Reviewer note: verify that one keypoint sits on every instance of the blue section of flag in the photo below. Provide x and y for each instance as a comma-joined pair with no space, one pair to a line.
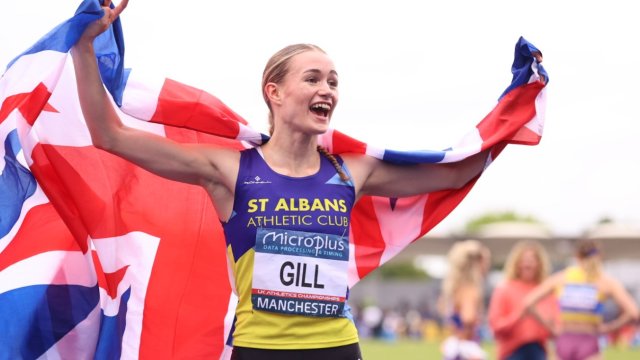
413,157
230,335
17,184
521,68
34,318
112,331
110,54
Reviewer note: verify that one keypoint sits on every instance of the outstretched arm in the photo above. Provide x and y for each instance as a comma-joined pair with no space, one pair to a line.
380,178
192,164
539,293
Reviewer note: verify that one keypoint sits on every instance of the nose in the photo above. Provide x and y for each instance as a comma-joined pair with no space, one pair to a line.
326,90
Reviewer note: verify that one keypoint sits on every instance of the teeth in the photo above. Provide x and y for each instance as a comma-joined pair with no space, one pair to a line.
321,106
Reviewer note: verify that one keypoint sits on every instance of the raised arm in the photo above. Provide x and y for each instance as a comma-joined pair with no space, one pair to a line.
376,177
200,165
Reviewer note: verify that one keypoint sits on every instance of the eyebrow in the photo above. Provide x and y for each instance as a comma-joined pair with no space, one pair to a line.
317,71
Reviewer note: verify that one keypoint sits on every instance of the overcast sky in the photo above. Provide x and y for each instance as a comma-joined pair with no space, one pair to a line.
419,75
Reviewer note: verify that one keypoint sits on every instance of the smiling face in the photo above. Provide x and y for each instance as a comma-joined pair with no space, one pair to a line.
528,267
304,100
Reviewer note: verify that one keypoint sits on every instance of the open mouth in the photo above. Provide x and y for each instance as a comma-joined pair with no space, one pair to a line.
321,109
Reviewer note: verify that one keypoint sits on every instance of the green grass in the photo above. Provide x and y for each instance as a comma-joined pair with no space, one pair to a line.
422,350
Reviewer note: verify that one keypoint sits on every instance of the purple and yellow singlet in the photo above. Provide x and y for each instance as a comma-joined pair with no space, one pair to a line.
579,299
288,245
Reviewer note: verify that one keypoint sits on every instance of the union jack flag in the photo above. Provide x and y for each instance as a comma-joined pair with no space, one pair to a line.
101,259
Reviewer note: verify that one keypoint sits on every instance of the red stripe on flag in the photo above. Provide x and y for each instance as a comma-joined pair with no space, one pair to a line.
105,196
108,281
113,280
440,204
185,106
513,111
525,136
42,230
191,265
29,104
346,144
367,237
196,137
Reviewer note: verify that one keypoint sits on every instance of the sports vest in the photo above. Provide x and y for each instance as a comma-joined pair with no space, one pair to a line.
288,246
579,299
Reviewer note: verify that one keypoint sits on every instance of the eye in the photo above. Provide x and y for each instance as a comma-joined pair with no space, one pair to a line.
312,80
333,83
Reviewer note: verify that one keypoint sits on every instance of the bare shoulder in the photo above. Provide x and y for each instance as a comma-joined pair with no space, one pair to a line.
608,284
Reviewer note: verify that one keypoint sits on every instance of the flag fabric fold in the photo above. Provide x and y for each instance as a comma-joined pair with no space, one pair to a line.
100,258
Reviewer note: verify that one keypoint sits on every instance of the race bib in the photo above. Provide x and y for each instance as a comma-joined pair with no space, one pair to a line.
302,273
579,297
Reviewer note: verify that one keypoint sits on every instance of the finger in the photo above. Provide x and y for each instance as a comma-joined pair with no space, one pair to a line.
121,6
537,55
106,3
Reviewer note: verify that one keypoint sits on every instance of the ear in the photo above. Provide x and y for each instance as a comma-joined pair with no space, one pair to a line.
273,93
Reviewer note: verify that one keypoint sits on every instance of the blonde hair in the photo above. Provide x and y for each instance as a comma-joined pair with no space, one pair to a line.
465,258
278,67
588,251
511,266
275,71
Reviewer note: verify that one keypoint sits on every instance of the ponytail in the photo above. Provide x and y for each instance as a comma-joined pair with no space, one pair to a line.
343,176
588,251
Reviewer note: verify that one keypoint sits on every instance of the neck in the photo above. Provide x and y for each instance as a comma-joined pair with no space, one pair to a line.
292,154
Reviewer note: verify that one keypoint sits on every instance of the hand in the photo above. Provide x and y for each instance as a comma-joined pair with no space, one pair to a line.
101,25
520,312
603,329
538,56
553,330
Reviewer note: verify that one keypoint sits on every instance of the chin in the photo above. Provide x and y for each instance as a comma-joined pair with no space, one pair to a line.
320,127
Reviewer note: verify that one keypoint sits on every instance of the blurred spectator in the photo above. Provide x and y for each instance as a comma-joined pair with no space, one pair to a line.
461,301
518,335
581,290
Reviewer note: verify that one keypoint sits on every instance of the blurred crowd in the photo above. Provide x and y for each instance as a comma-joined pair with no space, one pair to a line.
423,323
572,313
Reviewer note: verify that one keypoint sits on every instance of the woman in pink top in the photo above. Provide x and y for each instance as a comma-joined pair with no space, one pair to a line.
518,335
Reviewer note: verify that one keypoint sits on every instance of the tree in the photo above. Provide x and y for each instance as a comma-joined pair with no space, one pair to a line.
474,225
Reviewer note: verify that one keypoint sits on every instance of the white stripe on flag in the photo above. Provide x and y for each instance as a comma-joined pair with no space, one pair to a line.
29,71
140,97
72,270
137,250
537,123
66,127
